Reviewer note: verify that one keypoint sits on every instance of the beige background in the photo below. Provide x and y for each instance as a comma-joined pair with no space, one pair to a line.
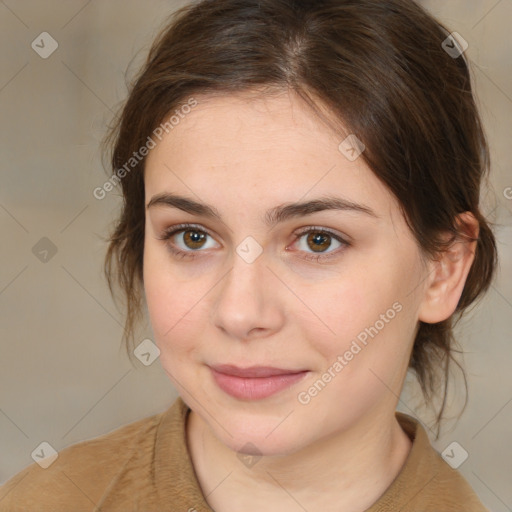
63,375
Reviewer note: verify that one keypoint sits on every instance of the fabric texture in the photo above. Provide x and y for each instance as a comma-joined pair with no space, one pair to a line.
145,466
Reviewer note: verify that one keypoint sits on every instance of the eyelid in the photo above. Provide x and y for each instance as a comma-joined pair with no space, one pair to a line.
321,229
167,232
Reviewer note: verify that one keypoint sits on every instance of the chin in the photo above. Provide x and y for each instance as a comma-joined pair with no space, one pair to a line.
256,438
251,428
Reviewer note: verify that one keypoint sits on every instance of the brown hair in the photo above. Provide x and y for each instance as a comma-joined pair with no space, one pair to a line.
378,67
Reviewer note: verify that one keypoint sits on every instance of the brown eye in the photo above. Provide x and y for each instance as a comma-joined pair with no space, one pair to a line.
193,239
318,241
185,240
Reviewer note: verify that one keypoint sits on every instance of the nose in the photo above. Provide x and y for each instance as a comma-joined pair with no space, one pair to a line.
248,303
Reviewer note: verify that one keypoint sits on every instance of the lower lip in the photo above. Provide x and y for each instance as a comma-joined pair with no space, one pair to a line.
255,388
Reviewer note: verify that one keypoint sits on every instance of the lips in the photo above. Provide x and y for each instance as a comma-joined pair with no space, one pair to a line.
253,371
255,383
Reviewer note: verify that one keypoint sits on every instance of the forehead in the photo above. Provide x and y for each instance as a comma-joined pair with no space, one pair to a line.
247,123
257,148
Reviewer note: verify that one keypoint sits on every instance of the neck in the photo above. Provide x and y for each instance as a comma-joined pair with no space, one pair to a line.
349,470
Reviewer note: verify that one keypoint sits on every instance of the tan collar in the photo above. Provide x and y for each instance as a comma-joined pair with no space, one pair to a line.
176,481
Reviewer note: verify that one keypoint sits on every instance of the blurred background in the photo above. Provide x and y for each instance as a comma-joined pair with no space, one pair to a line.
64,376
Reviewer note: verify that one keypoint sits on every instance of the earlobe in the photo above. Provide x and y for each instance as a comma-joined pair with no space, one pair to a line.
447,275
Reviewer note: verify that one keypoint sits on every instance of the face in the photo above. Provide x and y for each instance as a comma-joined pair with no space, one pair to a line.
327,298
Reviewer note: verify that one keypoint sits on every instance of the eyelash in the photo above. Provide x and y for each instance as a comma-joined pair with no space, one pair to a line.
173,230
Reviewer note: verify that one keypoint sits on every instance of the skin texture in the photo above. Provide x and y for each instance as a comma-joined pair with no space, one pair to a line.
243,155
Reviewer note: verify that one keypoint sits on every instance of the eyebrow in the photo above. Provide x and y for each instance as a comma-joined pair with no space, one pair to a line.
272,217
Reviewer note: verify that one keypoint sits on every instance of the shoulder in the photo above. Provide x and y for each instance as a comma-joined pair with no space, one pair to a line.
450,488
427,481
81,473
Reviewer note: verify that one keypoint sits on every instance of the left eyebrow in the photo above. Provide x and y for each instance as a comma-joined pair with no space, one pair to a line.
273,216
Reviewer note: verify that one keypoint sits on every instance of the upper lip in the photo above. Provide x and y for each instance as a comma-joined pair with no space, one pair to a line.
253,371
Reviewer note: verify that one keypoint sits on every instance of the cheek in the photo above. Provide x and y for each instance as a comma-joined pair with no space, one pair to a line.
344,307
366,317
173,302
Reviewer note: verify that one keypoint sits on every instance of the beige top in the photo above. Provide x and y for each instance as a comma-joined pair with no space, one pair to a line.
145,466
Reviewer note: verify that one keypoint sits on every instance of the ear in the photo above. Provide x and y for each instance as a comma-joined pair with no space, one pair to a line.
447,274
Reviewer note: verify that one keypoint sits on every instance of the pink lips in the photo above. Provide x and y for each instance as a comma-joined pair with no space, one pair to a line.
254,383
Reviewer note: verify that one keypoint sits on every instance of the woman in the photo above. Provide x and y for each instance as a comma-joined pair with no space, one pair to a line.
301,218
